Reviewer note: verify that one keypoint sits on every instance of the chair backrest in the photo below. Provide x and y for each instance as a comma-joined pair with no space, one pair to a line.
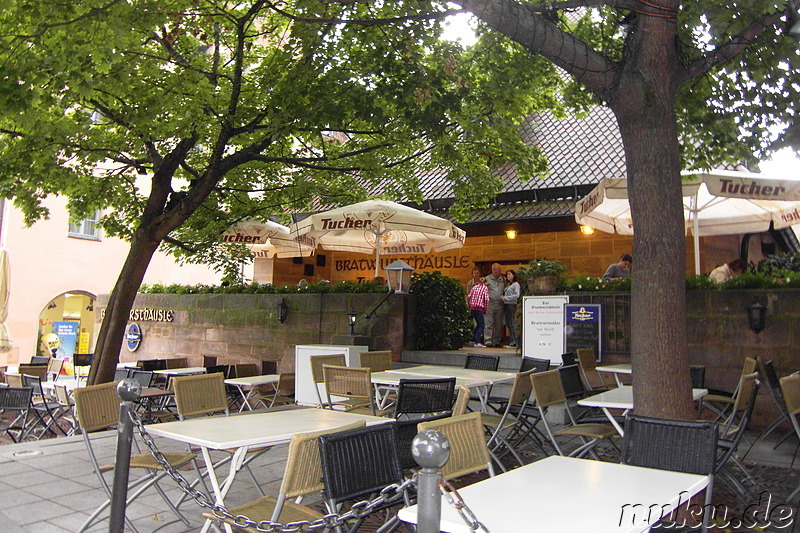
547,388
213,369
40,371
571,381
150,365
768,373
676,445
120,374
285,383
742,400
587,362
359,461
303,473
522,388
15,398
34,382
698,375
82,359
415,396
144,377
568,359
209,360
201,394
532,363
476,361
347,381
245,370
406,431
54,366
269,367
318,361
40,359
586,358
790,386
62,395
462,401
96,406
178,362
376,361
468,450
14,380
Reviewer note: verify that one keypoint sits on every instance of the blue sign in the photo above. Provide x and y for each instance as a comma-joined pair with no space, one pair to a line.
133,336
582,327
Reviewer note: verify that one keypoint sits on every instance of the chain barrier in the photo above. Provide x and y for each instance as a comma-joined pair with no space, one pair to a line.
457,502
388,495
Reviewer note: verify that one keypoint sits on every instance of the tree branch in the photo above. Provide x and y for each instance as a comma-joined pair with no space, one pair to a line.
365,22
735,44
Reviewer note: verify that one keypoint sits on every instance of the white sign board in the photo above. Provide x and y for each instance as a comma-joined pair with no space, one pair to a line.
543,327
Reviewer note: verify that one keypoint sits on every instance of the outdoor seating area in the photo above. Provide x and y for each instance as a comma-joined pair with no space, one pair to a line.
499,442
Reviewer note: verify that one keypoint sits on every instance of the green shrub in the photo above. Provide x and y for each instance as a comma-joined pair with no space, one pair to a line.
789,261
265,288
442,320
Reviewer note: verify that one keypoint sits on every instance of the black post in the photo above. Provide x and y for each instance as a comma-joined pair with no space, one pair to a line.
129,391
431,452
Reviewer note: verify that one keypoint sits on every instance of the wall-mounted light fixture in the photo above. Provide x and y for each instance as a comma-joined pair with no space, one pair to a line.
90,307
587,230
52,305
352,316
511,234
281,310
756,316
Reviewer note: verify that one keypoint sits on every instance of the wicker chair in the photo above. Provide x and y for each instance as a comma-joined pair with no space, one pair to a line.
39,371
462,401
469,452
359,463
548,391
720,402
476,361
587,362
97,409
177,362
354,384
424,396
244,370
54,367
406,431
676,445
16,400
281,393
378,361
731,433
302,476
317,362
790,387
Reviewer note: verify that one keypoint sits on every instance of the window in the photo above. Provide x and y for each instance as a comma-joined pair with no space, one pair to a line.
86,228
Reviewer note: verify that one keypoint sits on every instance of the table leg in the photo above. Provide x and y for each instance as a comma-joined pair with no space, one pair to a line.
221,490
245,398
614,421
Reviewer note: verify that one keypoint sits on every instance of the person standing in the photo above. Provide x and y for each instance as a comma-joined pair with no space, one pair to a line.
476,278
478,299
510,299
496,284
619,270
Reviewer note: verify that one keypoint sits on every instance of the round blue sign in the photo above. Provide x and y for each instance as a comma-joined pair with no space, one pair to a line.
133,336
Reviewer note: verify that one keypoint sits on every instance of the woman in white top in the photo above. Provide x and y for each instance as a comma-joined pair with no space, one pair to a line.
510,298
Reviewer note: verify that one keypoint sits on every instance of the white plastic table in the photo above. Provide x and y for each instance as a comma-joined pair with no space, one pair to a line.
181,371
248,385
618,370
391,380
621,398
251,430
570,495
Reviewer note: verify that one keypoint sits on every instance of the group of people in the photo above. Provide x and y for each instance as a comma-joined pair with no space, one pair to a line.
492,300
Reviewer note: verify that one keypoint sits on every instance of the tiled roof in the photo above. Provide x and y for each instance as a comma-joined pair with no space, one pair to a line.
514,211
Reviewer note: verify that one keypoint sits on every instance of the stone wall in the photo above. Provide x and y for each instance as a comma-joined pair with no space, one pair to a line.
243,328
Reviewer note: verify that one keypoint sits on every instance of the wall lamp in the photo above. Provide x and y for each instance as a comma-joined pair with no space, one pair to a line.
756,316
282,310
352,316
587,230
511,234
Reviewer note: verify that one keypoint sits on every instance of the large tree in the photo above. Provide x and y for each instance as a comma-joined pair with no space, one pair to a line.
692,85
180,117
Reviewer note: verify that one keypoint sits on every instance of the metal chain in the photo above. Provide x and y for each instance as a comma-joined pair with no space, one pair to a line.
388,495
454,499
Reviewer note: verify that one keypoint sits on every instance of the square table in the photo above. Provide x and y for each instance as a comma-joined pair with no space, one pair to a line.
570,495
390,379
621,398
618,370
250,384
188,371
248,430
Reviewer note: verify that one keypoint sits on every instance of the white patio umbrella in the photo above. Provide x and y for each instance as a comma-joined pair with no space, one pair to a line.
380,227
5,291
269,239
718,202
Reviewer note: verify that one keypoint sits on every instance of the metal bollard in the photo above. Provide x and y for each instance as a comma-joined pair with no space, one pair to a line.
129,391
431,450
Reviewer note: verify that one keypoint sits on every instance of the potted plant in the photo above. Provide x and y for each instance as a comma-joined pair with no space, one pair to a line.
542,275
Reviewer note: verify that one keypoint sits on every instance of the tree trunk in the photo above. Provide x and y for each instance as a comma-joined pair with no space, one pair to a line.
112,330
644,106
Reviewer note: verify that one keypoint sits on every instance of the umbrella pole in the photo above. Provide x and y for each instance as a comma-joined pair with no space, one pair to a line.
696,235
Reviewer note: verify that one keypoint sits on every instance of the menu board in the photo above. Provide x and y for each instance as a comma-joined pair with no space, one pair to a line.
582,327
543,327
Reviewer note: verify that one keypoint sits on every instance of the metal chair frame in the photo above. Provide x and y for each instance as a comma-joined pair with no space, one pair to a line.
317,375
